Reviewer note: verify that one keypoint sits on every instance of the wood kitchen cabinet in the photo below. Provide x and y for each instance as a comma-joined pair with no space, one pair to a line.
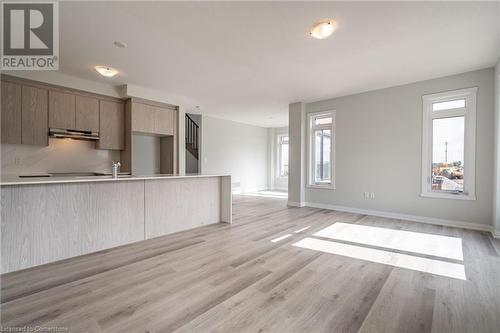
152,119
61,110
86,113
34,116
24,114
29,108
111,125
11,112
68,110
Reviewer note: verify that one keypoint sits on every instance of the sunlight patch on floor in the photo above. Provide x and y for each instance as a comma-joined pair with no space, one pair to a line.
434,245
280,238
302,229
443,268
267,194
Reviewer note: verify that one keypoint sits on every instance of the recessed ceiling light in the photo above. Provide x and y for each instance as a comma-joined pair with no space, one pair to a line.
106,71
119,44
323,28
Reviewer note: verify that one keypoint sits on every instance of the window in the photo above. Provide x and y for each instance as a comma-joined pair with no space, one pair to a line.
283,155
448,148
321,149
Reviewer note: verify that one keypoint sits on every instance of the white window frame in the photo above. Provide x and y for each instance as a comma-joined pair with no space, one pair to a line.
469,114
311,149
278,157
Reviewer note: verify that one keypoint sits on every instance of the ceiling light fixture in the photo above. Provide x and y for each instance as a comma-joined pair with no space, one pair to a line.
323,28
119,44
106,71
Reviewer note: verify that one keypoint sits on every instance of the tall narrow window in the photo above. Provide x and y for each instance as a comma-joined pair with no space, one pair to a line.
448,149
283,155
321,149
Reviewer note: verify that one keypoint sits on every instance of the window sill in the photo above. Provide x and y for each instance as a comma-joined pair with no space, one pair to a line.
448,196
324,187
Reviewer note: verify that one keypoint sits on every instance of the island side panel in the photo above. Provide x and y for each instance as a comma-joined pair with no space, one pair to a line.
49,222
179,204
226,201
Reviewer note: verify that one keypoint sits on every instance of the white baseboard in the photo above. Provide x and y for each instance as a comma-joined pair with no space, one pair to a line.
296,204
408,217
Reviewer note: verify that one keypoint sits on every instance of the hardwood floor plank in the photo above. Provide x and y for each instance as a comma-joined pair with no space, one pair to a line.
418,313
10,292
248,277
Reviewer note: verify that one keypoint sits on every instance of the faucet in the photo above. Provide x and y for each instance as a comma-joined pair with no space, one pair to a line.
115,169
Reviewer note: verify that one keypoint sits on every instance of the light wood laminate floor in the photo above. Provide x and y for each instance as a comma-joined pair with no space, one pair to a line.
234,278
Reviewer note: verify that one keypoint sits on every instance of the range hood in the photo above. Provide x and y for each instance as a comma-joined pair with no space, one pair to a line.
73,134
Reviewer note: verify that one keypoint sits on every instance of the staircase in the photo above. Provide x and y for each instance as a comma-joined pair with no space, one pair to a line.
191,132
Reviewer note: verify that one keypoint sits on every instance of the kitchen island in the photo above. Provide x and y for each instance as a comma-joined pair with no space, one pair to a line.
47,219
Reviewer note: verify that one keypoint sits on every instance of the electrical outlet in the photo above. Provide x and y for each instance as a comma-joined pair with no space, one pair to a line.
17,160
367,195
372,195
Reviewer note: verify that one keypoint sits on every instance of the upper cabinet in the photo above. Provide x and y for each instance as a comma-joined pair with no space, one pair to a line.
11,112
34,116
68,110
152,119
24,114
61,110
87,114
29,109
111,125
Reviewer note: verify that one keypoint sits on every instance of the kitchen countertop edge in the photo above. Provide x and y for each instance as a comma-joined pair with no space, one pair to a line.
15,180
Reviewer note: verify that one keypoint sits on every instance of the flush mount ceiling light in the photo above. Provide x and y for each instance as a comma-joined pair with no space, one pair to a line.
106,71
323,28
120,44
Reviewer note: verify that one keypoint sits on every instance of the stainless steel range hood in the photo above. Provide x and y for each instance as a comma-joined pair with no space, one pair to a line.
73,134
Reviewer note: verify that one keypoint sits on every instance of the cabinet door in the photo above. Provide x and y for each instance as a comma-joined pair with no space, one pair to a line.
35,116
164,121
111,125
152,119
61,110
142,118
11,113
87,113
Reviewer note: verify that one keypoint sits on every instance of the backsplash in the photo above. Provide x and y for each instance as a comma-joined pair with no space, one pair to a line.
62,155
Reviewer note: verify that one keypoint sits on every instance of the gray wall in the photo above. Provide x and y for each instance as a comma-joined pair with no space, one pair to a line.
146,156
192,165
228,147
296,155
378,149
496,197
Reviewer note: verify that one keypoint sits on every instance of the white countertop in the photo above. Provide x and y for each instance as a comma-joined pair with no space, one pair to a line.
7,180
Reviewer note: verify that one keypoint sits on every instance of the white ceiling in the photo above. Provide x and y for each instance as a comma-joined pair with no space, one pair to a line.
247,61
